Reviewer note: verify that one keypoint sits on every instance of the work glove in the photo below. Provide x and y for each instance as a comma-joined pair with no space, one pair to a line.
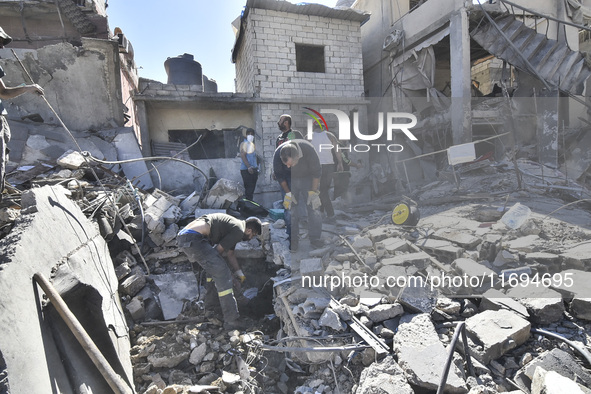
314,199
288,200
240,276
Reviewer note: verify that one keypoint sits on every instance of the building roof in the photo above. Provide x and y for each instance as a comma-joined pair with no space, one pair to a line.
344,13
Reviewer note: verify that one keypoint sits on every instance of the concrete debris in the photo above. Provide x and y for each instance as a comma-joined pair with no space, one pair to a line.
545,382
421,354
494,333
499,280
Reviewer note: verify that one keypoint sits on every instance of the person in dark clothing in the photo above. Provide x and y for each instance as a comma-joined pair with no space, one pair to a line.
8,93
196,240
249,168
287,134
297,160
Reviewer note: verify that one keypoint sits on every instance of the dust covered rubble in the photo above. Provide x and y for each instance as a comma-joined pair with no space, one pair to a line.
514,285
505,325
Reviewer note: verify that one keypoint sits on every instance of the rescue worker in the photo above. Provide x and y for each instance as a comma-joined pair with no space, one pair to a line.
204,241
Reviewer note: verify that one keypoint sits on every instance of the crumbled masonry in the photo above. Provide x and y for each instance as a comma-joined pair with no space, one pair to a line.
177,346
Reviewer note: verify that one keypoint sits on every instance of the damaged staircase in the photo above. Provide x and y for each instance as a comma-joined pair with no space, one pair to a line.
551,60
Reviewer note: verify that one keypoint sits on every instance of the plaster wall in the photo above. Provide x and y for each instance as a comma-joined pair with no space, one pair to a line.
82,84
78,255
163,119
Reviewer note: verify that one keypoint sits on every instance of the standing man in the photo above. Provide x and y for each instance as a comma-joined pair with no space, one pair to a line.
197,241
298,159
322,140
287,133
249,168
8,93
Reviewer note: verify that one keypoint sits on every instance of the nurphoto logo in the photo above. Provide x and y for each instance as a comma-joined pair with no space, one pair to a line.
392,120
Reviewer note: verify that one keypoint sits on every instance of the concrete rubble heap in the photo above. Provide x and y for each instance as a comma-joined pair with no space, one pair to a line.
389,336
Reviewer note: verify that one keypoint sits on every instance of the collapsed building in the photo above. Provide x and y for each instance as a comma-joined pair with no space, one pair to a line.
492,263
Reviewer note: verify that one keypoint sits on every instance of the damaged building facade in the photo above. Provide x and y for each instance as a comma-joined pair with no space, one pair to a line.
342,318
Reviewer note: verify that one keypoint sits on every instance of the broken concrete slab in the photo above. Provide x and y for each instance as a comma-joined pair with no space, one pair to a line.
71,159
550,382
223,194
444,250
472,269
493,333
527,244
175,290
392,245
419,260
544,304
311,267
383,377
460,237
128,148
52,236
422,355
382,312
556,360
494,300
578,257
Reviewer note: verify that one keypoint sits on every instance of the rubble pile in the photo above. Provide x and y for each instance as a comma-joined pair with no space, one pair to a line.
374,310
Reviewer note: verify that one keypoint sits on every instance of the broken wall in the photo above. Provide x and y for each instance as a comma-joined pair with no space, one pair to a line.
53,237
82,84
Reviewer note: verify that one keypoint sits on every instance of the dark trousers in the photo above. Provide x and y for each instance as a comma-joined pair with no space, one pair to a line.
250,182
4,138
199,250
325,182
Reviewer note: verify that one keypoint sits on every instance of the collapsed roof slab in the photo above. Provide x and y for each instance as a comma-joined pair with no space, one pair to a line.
54,238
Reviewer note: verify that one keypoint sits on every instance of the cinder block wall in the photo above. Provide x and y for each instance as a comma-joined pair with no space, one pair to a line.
266,64
266,68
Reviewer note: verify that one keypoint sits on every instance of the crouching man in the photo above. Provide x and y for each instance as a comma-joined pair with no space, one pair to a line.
204,240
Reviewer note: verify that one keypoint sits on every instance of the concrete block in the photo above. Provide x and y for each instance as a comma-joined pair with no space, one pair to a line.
494,300
360,242
544,305
392,245
122,270
559,361
443,249
493,333
331,319
71,159
383,312
422,355
578,257
311,267
378,234
550,382
136,309
132,285
581,308
249,250
417,298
